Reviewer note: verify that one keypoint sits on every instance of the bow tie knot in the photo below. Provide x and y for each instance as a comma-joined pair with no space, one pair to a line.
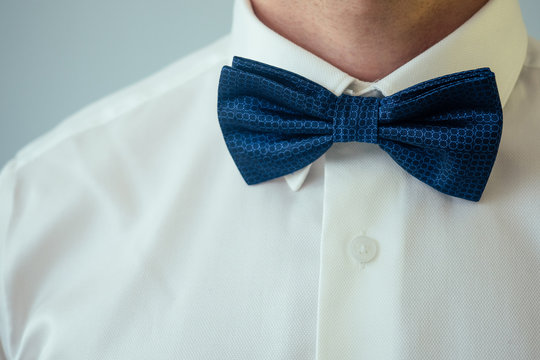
356,118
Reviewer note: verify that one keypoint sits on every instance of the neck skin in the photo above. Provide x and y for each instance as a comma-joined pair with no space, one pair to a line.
368,39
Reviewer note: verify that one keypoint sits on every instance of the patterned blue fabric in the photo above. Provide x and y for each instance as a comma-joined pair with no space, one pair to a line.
445,131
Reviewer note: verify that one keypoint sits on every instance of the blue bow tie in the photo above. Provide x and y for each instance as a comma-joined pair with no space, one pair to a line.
445,131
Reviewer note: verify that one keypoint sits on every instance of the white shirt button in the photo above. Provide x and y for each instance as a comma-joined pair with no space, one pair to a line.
363,248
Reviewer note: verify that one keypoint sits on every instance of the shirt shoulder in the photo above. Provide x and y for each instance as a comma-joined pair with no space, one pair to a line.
115,105
97,136
102,165
97,143
89,136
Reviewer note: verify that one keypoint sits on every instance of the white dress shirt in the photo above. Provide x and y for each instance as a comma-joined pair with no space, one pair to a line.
127,232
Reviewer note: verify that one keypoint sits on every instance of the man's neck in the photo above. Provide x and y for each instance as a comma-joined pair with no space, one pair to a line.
367,39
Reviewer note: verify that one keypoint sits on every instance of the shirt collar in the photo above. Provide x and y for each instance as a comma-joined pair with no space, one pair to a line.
494,37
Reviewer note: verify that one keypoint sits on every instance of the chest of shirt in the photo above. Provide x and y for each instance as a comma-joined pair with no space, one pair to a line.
174,253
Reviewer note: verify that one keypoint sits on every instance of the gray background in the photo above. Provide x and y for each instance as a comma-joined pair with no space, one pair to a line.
57,56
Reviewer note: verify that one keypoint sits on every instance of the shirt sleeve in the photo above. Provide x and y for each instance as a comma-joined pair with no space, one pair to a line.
7,187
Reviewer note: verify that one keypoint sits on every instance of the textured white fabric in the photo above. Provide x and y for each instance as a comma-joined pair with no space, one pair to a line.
126,232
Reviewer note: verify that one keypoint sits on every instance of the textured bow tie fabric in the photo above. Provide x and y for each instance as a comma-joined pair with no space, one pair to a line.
445,131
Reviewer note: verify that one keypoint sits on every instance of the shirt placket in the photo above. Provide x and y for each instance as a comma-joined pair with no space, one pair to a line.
359,286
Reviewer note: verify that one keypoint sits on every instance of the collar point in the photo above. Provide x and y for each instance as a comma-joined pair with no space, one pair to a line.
296,179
